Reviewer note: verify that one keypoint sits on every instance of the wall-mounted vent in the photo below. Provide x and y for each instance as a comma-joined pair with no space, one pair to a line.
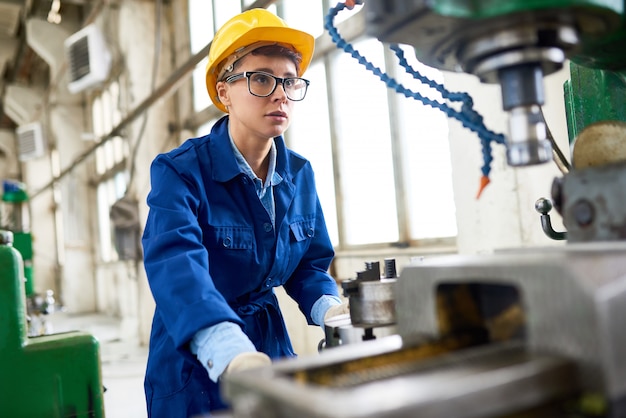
88,57
31,143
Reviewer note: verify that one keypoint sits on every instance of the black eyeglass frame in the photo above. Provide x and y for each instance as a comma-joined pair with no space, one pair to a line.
248,74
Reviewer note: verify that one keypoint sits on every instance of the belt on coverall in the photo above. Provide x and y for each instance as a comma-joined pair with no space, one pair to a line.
265,326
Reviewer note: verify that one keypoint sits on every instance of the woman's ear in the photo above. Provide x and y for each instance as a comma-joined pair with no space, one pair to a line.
222,93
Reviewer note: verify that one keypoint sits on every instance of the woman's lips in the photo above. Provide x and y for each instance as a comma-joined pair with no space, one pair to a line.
280,116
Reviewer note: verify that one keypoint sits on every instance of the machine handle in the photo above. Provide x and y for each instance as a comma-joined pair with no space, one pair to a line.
544,206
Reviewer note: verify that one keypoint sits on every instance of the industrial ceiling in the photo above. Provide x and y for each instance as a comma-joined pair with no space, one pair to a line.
19,64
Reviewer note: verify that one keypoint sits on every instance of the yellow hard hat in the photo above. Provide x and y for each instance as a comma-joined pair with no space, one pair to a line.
252,28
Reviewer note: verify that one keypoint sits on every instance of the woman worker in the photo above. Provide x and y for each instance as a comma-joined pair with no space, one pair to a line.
233,215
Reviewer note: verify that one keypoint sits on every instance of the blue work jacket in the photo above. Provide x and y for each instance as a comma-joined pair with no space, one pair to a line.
211,254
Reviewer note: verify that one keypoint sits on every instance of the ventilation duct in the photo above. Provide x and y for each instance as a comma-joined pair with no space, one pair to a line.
88,57
31,143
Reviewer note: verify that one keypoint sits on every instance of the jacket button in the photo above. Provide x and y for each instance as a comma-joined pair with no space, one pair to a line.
227,242
267,226
310,232
268,282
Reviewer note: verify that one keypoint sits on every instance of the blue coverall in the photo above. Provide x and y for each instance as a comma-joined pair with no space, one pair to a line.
211,254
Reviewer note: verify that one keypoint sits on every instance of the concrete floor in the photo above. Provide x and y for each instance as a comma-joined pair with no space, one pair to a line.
123,362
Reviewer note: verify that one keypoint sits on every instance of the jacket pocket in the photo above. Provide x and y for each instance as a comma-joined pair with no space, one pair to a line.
303,230
229,237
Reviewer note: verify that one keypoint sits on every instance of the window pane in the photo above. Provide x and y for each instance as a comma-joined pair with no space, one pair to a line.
363,137
309,135
224,10
104,223
200,95
119,149
305,15
116,113
119,184
99,131
426,153
107,106
105,112
200,24
98,122
201,32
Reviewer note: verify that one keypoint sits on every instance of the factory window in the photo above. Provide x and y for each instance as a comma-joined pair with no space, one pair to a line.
310,135
381,160
110,165
201,31
364,148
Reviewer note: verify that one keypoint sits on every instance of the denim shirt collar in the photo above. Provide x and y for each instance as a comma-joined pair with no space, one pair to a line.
273,178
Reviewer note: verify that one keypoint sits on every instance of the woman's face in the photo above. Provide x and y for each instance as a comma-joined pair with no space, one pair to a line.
265,117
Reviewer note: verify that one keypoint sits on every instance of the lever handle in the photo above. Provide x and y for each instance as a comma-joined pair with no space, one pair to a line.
544,206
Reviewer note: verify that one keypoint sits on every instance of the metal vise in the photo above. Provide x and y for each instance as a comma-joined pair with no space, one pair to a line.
563,301
57,375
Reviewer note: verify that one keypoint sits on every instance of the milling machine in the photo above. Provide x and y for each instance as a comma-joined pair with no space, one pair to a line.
534,332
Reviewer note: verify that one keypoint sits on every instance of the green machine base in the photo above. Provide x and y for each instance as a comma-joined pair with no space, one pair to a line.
57,375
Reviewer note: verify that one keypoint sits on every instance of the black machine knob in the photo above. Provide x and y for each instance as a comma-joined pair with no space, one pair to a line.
544,206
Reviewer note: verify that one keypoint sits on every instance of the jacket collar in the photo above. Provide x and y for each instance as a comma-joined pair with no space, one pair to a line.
224,165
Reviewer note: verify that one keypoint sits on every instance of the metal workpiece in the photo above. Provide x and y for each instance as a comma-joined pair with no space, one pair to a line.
371,295
372,307
374,304
571,301
485,381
